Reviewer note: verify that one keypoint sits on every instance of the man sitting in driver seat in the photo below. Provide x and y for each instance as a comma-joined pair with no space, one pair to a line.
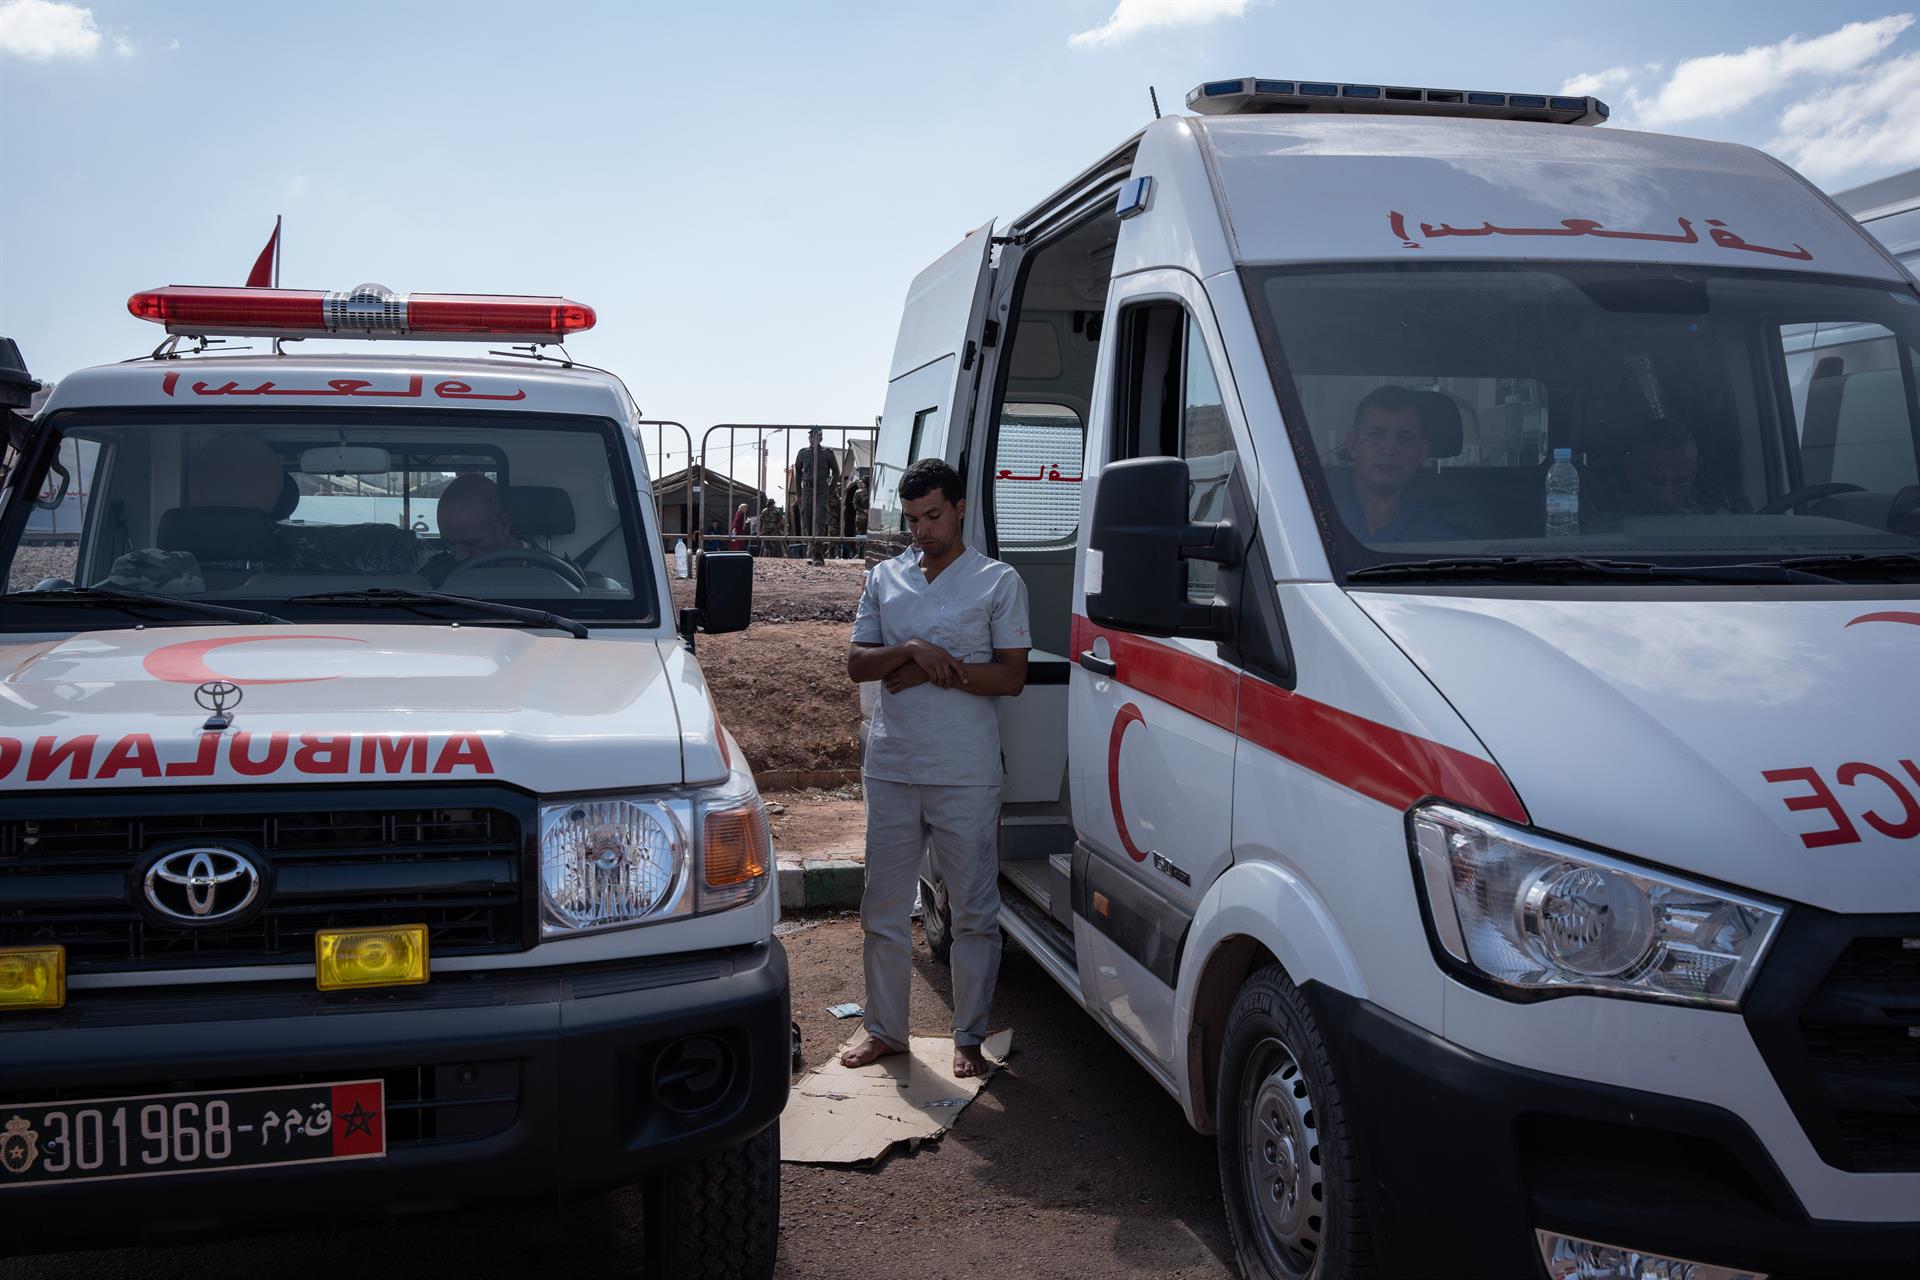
473,522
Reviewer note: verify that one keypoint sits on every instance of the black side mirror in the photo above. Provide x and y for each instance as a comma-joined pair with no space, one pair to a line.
722,594
1143,538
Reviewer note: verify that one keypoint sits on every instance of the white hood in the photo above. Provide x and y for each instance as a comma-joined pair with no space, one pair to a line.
343,704
1770,744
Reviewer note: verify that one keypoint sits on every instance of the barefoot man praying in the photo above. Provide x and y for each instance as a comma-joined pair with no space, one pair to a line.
944,630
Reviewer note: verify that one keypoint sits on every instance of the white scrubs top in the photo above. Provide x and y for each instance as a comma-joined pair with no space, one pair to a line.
927,735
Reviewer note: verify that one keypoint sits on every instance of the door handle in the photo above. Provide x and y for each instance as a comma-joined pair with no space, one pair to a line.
1098,665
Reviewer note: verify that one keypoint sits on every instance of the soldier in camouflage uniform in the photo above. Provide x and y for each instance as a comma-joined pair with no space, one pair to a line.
859,499
773,532
816,478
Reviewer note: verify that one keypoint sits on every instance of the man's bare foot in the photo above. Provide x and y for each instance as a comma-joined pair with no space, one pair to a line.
969,1061
872,1049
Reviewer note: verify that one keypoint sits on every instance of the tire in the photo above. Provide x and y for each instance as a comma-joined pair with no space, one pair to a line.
1295,1202
936,921
718,1218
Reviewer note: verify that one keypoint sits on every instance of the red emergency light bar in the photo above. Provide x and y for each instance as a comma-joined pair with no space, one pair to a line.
368,311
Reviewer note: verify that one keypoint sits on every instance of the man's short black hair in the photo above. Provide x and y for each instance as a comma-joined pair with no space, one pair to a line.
1390,399
1662,434
928,474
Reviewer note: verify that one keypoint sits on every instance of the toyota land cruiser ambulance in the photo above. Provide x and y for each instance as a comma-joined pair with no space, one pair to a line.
369,841
1509,905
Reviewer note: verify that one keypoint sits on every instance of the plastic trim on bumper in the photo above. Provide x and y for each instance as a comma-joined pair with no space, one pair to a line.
1464,1156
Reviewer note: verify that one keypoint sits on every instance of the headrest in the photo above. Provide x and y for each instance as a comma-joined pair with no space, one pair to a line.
1440,419
289,499
219,535
538,509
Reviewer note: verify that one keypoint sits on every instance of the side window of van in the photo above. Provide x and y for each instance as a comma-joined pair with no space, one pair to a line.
1206,442
1171,405
1037,463
1850,406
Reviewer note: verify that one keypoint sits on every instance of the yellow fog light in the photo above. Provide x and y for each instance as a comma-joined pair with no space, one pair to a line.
33,977
391,957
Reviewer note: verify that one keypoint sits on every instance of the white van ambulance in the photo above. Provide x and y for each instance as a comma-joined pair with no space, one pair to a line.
1508,904
369,841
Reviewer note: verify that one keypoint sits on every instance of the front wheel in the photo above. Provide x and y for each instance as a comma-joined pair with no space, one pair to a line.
717,1218
1294,1201
936,920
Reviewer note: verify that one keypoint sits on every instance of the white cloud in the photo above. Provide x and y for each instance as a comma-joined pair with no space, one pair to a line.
123,47
1720,84
1852,102
1597,82
39,30
1131,17
1865,123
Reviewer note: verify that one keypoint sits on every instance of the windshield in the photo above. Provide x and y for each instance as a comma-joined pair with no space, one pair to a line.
1706,416
259,510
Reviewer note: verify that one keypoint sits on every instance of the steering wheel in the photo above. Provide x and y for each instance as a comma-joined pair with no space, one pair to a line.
523,555
1806,493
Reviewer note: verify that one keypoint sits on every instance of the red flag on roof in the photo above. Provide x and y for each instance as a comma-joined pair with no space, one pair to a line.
266,268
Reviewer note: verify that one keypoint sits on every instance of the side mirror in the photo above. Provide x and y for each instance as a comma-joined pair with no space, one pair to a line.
1143,538
722,594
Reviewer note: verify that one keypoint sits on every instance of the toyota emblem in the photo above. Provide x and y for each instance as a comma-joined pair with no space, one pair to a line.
201,886
218,696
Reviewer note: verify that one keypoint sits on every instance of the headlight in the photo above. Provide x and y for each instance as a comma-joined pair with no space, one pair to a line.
609,861
1534,914
621,860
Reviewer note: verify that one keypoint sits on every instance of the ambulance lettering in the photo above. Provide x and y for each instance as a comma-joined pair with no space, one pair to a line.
247,755
1886,799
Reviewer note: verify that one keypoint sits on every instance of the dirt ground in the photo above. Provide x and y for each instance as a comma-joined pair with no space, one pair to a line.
816,822
794,590
1072,1163
784,693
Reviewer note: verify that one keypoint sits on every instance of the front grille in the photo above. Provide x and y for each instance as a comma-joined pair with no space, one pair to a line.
70,869
1843,1036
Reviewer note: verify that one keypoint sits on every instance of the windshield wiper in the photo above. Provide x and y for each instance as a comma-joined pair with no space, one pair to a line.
129,600
1576,568
1870,564
378,597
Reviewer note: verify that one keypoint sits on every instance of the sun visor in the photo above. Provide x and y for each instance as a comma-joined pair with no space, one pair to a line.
1347,188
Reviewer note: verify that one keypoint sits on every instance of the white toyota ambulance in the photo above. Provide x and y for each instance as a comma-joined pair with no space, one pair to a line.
1509,905
369,841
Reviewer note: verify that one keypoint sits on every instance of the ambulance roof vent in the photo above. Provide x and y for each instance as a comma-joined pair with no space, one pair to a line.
1253,97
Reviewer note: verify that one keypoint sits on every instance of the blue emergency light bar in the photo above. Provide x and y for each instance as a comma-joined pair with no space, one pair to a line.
1254,97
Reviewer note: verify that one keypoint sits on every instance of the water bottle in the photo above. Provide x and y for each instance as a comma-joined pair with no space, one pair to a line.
680,559
1563,495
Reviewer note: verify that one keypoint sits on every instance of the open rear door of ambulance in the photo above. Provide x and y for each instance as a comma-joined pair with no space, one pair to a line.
930,385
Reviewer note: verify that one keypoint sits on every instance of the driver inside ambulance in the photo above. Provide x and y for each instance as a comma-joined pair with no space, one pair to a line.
1388,445
473,522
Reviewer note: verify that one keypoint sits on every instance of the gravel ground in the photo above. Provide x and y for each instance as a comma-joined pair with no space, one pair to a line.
32,563
1072,1163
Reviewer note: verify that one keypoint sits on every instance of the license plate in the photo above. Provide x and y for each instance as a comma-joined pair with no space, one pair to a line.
157,1135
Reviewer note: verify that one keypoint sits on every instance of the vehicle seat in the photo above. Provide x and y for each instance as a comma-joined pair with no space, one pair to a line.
539,511
229,542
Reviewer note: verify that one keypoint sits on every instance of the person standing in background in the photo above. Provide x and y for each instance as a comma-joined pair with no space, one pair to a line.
816,474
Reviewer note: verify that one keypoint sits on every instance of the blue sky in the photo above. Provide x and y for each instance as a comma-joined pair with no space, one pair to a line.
744,191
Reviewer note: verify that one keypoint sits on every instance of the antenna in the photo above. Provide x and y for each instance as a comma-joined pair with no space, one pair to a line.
1156,101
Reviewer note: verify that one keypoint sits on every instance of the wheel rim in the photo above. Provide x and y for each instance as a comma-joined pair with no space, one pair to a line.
1281,1150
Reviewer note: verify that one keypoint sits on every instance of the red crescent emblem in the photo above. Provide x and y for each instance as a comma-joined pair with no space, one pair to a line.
186,662
1129,714
1890,616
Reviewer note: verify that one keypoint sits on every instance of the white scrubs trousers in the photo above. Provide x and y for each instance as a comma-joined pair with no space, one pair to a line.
960,822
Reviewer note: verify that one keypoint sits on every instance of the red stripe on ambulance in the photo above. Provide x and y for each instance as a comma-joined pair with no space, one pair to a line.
1376,760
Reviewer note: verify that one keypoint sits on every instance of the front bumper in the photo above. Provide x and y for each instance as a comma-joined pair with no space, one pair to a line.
1464,1156
514,1087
